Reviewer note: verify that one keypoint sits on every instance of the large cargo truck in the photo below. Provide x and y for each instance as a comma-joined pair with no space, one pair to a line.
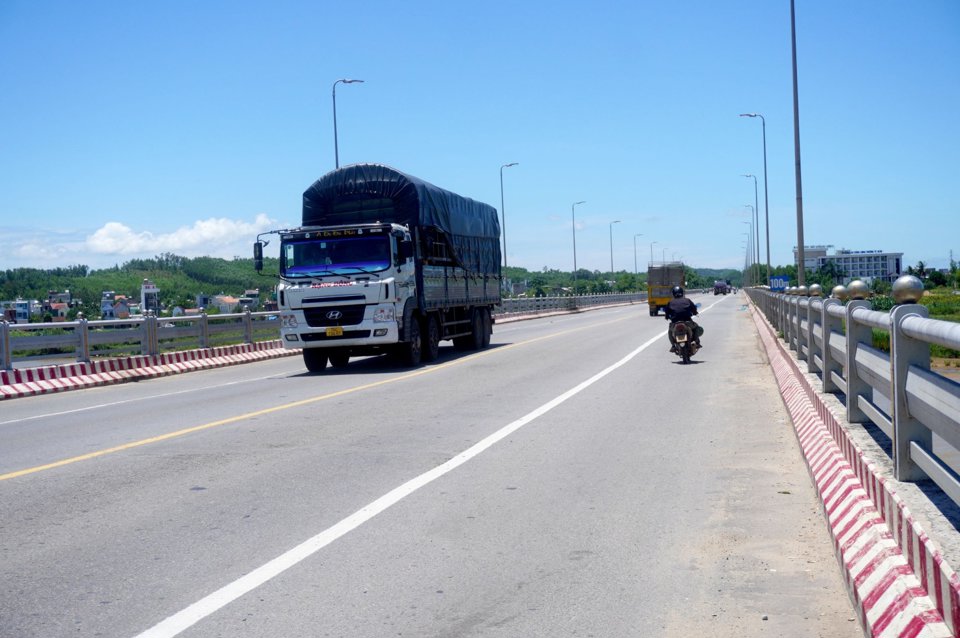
385,262
661,278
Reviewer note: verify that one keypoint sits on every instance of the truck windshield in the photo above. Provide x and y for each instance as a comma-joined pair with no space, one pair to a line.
315,257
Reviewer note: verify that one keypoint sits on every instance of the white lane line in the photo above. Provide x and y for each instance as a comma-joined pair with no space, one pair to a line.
206,606
186,618
165,395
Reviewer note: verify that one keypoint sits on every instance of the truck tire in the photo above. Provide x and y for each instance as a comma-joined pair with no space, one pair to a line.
315,359
487,327
339,358
476,329
431,339
654,311
411,351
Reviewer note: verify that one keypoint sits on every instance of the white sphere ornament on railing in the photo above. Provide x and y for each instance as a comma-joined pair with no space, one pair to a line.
840,292
907,289
858,289
815,290
791,290
802,291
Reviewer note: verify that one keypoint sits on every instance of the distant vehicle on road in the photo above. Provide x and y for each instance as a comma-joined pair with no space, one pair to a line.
661,278
721,287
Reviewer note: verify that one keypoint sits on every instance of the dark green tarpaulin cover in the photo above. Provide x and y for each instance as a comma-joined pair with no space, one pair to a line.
472,227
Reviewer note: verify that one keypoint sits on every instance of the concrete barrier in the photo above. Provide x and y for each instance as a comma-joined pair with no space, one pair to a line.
43,380
897,577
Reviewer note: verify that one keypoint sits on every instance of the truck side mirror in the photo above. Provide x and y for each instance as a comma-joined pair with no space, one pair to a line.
404,250
258,256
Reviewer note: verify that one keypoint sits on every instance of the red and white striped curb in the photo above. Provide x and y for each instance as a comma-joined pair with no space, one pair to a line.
899,582
32,381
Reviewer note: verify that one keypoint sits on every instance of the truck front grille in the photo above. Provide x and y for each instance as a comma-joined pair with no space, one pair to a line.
334,315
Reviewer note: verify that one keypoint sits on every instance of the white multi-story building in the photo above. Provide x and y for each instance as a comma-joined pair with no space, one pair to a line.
866,265
149,297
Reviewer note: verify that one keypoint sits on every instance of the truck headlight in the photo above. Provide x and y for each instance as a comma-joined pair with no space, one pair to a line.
384,314
288,320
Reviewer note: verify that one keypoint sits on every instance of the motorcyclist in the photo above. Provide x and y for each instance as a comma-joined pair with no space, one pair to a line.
681,309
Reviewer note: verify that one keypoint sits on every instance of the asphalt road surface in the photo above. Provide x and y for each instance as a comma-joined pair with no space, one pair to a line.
574,479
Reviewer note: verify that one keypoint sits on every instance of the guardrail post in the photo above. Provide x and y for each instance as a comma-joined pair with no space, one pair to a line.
149,339
803,345
782,324
83,339
813,322
793,311
828,325
856,387
906,352
204,331
6,357
247,326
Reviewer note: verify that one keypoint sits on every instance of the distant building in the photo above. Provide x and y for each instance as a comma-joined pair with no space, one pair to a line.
58,311
225,303
866,265
149,297
20,310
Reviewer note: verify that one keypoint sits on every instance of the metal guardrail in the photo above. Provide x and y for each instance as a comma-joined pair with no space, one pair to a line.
150,335
535,305
897,392
85,339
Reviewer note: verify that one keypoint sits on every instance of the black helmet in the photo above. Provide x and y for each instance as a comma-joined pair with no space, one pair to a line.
677,291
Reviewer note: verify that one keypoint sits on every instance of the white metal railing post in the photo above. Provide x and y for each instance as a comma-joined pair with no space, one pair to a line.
829,325
83,339
247,326
785,318
150,339
814,349
6,357
204,330
794,303
857,334
803,315
904,353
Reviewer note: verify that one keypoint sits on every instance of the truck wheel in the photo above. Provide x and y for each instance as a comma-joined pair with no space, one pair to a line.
411,352
654,311
315,359
487,327
339,358
477,326
431,339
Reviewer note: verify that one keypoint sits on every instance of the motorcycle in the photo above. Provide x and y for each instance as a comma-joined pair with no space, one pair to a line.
684,339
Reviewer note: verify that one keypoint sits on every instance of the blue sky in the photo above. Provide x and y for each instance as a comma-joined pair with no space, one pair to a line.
133,129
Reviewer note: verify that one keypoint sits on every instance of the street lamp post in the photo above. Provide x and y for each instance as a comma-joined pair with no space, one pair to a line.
651,251
755,241
749,259
611,247
766,199
756,209
503,212
336,149
636,270
801,256
573,219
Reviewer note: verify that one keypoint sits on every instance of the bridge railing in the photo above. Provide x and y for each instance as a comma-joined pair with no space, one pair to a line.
897,392
85,339
568,303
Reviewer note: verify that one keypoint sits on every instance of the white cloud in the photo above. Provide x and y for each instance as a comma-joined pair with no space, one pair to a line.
204,237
